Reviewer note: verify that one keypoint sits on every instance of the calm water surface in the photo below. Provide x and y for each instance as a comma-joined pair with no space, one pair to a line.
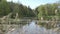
32,28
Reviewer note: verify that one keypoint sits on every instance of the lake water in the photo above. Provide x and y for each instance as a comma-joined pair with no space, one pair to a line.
31,28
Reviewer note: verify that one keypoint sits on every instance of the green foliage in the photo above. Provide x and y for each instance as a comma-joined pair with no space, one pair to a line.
10,7
4,8
48,10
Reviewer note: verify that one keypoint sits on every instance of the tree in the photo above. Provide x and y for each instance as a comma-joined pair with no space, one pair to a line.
14,8
47,10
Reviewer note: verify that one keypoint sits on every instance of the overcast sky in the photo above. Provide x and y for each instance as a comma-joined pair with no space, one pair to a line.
34,3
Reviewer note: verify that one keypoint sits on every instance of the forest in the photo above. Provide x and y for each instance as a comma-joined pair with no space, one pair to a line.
46,11
12,13
10,7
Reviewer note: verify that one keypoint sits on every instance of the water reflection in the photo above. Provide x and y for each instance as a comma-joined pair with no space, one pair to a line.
32,28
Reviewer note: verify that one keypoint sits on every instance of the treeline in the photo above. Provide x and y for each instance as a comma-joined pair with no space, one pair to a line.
48,11
10,7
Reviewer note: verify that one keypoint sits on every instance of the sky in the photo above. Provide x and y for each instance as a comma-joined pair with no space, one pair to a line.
33,3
